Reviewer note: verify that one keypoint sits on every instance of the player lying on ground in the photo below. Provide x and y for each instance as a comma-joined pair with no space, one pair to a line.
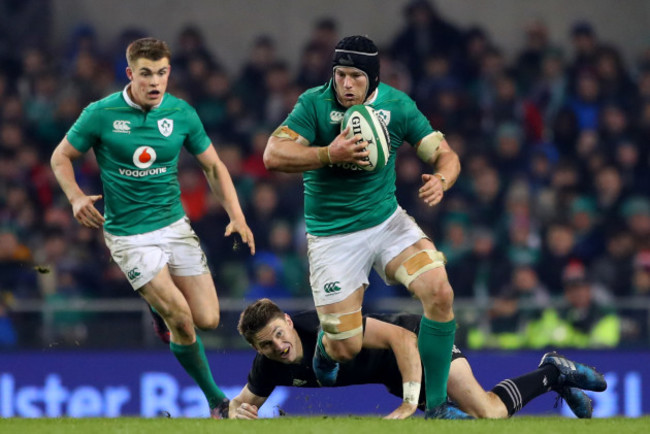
285,347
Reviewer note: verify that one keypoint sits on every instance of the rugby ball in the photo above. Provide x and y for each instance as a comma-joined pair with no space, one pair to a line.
363,120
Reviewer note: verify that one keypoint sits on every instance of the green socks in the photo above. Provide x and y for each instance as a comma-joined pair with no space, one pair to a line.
193,359
435,342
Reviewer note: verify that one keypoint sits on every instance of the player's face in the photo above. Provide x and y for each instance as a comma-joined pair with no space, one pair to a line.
148,81
279,341
351,85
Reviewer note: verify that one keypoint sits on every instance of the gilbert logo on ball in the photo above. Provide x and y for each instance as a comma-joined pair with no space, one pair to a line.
363,121
144,157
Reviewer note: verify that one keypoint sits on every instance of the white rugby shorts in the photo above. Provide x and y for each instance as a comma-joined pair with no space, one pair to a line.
142,256
340,264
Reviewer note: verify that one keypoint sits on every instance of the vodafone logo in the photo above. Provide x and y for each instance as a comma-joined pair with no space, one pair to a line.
144,157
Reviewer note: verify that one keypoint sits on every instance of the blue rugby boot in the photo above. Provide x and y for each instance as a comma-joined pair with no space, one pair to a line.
577,400
446,410
325,369
574,374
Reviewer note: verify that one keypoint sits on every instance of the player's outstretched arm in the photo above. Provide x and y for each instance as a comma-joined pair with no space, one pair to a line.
222,186
382,335
245,405
83,207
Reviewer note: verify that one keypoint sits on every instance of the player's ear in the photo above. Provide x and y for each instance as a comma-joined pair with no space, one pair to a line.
129,73
288,319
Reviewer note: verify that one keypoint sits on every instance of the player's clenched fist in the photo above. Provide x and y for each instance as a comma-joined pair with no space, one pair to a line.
345,149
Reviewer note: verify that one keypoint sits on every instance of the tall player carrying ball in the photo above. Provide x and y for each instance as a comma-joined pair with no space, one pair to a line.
354,222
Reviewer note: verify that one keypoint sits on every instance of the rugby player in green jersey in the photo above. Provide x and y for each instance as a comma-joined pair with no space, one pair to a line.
354,222
137,136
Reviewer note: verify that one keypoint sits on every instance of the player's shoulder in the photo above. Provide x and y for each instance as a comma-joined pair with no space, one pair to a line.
322,93
388,94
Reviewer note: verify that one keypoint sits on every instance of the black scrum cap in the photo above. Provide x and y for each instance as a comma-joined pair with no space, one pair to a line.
361,53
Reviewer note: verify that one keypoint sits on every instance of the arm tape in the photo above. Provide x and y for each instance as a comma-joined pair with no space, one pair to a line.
284,132
324,155
411,392
429,146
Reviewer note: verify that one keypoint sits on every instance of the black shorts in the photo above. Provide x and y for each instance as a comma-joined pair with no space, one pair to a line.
456,353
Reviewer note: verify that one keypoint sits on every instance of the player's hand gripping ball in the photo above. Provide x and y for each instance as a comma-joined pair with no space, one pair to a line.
364,121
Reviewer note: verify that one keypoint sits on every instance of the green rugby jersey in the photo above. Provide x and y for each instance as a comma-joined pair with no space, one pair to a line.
137,153
343,198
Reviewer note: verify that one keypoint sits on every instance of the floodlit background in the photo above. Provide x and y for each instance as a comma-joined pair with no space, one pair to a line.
547,231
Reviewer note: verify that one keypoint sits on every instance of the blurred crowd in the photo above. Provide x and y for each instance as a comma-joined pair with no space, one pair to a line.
547,229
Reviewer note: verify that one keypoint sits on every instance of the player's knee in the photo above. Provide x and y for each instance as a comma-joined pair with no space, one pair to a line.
443,295
344,332
207,321
182,329
345,351
437,294
180,323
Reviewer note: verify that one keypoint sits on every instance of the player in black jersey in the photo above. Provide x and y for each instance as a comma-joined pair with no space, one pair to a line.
285,347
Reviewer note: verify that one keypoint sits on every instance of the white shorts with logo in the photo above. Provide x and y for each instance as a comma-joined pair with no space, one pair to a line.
142,256
339,264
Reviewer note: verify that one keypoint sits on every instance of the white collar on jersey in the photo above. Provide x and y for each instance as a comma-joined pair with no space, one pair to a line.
130,102
373,97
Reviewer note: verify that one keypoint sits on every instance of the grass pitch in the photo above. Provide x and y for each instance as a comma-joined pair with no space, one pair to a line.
326,425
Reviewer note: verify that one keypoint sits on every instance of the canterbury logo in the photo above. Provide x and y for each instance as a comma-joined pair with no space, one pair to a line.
336,117
122,127
133,273
331,287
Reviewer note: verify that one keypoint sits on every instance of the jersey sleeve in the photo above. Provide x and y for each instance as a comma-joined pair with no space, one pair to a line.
260,377
417,125
303,119
197,139
82,135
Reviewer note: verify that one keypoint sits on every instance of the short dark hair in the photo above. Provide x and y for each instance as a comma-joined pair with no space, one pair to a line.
148,48
256,316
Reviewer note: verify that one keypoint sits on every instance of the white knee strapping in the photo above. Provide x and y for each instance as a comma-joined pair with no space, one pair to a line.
339,326
417,264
